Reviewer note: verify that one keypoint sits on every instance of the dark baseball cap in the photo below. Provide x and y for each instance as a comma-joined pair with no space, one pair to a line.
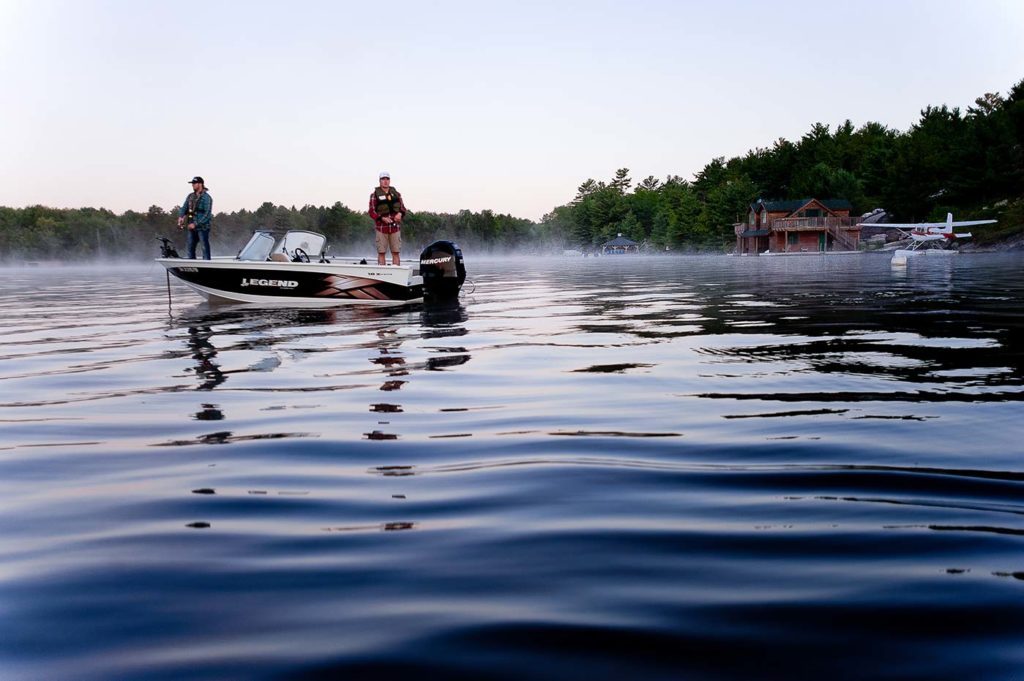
197,179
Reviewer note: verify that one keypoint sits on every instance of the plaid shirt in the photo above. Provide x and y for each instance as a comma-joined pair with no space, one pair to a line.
378,222
203,209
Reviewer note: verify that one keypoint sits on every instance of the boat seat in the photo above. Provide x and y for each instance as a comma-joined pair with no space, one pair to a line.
279,257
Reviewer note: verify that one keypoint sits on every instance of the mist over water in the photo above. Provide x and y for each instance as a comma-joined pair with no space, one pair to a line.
589,468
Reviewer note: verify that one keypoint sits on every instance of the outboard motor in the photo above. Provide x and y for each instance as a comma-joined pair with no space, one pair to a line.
443,270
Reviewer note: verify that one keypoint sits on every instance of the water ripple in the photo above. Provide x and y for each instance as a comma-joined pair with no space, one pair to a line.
658,468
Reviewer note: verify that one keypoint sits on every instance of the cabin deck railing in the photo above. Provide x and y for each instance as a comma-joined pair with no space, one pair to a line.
783,224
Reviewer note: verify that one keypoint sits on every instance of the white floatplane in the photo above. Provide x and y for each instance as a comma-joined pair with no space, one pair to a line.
928,237
295,271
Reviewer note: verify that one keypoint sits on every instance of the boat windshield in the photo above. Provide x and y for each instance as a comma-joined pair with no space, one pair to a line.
310,242
258,248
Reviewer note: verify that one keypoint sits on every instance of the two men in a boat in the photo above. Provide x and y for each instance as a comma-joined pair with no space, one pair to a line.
386,208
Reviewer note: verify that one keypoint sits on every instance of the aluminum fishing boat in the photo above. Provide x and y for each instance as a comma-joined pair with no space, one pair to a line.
296,271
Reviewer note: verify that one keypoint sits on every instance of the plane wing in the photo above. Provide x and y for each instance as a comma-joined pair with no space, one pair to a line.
925,225
968,223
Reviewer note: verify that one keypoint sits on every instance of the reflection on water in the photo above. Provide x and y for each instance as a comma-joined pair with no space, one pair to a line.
656,468
205,354
442,319
209,412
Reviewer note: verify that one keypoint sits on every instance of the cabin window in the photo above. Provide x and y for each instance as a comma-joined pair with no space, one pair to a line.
793,238
813,212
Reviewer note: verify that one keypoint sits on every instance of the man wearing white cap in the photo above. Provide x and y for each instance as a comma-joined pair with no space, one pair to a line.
387,210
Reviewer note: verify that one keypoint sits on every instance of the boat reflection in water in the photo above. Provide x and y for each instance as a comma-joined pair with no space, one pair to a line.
438,319
206,369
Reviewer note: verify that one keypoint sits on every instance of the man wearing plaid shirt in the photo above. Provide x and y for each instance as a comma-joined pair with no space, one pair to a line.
387,210
196,214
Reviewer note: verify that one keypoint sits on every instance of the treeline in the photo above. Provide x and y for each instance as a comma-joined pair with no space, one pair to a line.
40,233
969,163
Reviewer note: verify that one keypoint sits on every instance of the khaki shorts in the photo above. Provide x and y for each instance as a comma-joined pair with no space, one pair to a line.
386,242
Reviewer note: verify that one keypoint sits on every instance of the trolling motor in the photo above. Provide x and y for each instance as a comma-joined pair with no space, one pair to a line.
166,249
443,270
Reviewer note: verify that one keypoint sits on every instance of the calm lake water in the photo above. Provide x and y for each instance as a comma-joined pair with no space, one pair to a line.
616,468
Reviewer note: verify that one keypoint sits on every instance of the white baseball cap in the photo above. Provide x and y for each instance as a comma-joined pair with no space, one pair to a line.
384,174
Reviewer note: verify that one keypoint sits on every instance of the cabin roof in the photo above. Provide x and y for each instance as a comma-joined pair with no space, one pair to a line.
795,204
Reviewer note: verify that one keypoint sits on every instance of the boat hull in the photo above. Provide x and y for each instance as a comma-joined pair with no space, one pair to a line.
297,284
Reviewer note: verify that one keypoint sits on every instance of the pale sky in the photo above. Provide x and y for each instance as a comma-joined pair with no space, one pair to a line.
469,105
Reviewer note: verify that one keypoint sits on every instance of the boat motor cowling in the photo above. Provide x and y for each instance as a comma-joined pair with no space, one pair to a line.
443,270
